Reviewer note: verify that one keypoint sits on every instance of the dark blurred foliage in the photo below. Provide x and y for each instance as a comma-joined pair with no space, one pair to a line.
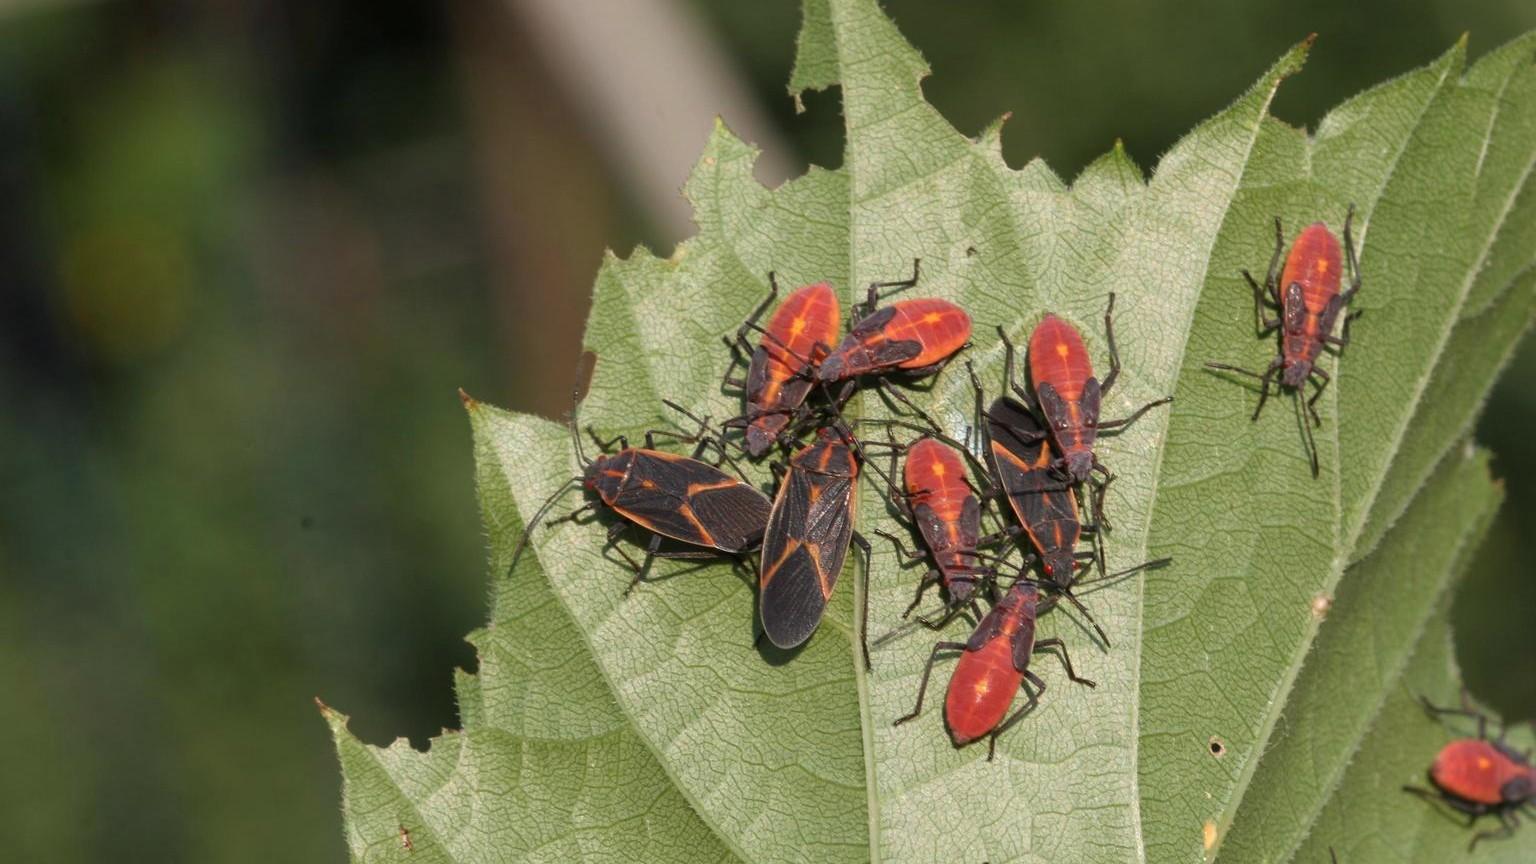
250,249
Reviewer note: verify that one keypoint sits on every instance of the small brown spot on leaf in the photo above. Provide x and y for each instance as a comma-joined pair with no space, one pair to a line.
1208,838
1218,747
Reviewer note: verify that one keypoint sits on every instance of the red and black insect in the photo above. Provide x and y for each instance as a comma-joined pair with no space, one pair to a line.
1309,304
946,511
993,664
1477,776
1022,467
671,496
1069,395
809,529
781,369
912,337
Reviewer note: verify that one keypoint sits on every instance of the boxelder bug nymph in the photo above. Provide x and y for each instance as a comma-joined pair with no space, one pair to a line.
1020,454
994,662
1069,395
914,337
782,367
1309,306
947,513
807,538
668,495
1478,776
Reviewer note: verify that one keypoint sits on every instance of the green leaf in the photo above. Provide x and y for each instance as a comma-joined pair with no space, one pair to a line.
652,727
1362,649
1369,818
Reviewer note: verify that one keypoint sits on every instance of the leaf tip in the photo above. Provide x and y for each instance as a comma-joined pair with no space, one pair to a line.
471,404
333,718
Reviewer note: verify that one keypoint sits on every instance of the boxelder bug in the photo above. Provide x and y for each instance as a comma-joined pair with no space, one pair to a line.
807,538
1477,775
1069,396
994,662
668,495
947,513
1020,454
781,371
1309,306
915,337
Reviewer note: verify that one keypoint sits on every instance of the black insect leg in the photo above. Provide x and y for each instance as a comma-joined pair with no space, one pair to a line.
1009,380
1031,699
1066,659
741,349
922,687
1114,353
1264,380
1263,325
1354,262
930,579
605,446
874,296
908,554
1312,403
863,545
1466,710
1116,425
1508,819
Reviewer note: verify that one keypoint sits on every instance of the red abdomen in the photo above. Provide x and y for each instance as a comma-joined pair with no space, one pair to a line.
939,325
1314,263
981,690
1057,355
1475,771
807,318
935,476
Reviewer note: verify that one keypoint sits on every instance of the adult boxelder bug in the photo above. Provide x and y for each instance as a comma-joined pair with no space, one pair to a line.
994,662
947,514
809,529
1070,395
1309,304
914,337
1047,511
670,496
1477,775
780,372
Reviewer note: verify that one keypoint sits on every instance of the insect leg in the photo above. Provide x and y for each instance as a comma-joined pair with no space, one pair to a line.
1114,353
1274,261
1354,262
858,540
1114,425
1466,710
1031,699
1312,403
549,502
1066,660
1263,325
1507,819
1008,378
922,687
900,285
1265,381
621,440
929,579
901,550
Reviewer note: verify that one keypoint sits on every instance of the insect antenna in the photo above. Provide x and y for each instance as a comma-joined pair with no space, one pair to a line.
581,454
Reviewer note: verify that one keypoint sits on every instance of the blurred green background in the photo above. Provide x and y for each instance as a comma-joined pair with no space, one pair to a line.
250,249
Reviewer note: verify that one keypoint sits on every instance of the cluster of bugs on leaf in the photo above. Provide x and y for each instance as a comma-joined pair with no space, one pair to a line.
1035,467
